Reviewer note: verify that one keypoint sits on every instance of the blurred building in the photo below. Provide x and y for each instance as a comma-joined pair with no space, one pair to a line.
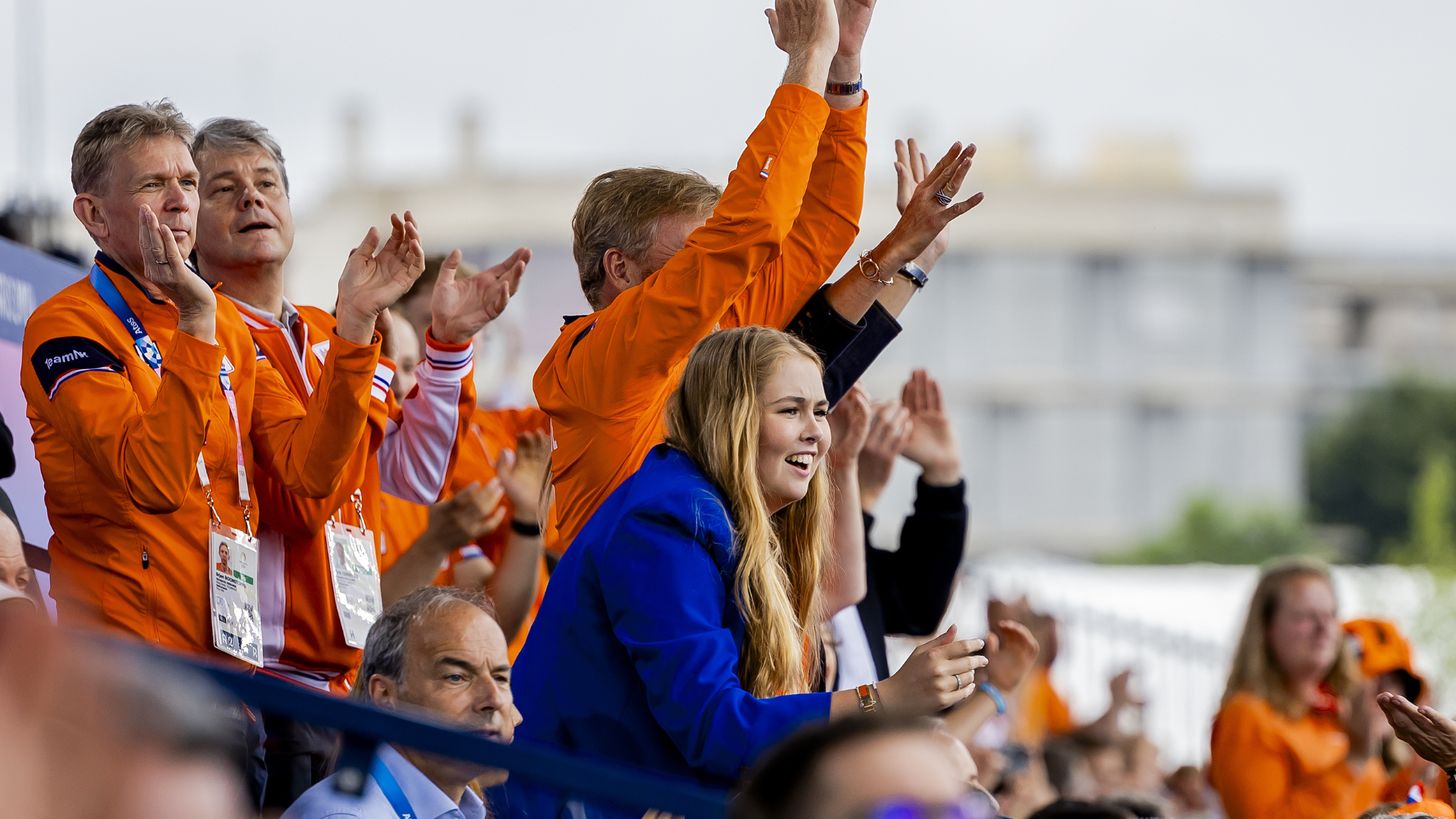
1370,319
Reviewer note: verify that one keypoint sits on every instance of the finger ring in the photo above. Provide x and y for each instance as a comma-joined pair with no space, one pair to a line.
943,198
958,681
159,259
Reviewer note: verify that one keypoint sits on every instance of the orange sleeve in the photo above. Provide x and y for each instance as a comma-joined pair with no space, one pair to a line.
309,449
151,454
826,228
1058,715
621,355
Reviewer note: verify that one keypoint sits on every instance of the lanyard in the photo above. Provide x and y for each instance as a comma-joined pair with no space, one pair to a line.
389,786
151,355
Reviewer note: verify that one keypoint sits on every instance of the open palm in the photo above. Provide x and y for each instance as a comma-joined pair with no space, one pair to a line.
461,306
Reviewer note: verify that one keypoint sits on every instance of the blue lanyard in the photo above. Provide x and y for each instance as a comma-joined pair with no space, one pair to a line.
390,787
151,355
145,347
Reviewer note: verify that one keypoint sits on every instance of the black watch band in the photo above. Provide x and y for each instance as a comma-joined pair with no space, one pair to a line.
915,273
525,529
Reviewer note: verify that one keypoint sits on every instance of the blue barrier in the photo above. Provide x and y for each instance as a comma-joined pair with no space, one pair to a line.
364,726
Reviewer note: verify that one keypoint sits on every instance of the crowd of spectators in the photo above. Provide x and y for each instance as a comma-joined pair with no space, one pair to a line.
672,562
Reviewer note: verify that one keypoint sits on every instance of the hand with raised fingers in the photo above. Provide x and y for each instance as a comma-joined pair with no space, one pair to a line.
939,673
164,266
376,277
890,430
466,516
928,210
1011,654
460,307
854,23
1422,727
911,169
807,31
932,442
849,426
522,473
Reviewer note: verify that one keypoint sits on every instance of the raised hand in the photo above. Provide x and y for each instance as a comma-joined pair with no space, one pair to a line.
164,267
522,473
1431,734
849,425
923,216
890,430
911,168
807,31
854,22
939,673
932,441
374,280
460,307
1010,653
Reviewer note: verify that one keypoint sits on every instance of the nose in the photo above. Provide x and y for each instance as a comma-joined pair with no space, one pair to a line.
490,697
251,198
178,199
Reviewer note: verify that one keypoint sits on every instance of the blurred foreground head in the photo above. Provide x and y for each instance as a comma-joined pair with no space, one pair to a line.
93,730
874,766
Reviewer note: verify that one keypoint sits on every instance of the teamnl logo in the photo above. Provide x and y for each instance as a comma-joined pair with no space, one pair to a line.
64,358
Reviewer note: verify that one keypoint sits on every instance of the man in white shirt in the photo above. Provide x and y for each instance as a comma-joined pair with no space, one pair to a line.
438,652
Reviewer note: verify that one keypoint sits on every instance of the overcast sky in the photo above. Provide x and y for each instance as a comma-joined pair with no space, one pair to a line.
1347,107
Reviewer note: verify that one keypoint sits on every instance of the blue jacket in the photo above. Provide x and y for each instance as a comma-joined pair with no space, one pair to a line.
634,654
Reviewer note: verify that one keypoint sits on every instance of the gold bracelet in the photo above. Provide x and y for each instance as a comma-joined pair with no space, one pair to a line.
870,269
869,698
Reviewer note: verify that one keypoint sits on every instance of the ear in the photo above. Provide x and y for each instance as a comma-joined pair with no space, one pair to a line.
614,262
88,211
383,691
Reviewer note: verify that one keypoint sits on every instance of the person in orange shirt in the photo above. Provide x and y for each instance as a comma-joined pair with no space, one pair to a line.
1298,733
317,610
153,415
1385,658
665,258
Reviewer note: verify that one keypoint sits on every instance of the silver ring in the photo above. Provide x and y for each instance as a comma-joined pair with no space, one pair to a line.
958,681
943,198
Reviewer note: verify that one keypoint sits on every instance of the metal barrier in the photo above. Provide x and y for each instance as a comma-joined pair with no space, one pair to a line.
364,727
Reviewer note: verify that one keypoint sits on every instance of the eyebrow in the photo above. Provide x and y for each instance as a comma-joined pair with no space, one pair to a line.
801,400
456,662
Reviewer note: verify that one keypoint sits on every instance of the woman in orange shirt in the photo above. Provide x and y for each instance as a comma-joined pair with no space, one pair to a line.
1297,735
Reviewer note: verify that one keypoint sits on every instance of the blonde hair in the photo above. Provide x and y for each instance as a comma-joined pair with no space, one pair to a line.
622,209
116,129
1255,670
713,416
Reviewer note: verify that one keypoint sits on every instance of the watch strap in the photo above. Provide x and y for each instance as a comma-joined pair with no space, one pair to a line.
915,273
845,89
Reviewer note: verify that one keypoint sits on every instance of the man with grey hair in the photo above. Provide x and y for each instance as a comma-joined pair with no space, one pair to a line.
437,652
153,414
312,628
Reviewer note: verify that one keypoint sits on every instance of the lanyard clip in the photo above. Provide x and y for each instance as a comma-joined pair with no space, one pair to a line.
212,509
247,518
359,508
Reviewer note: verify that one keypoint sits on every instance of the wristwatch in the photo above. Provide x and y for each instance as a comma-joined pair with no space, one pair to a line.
915,273
845,89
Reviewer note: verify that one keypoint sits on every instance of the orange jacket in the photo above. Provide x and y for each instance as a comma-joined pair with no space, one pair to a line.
787,216
1039,711
1265,764
303,639
118,447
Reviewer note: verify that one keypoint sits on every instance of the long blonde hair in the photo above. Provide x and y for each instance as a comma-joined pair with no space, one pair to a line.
713,416
1255,670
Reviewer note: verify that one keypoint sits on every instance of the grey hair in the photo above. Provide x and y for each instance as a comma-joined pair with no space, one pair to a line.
117,129
384,648
232,136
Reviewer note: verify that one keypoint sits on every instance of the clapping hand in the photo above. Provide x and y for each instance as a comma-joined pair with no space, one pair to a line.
460,307
374,280
1431,734
890,430
849,426
927,209
1011,652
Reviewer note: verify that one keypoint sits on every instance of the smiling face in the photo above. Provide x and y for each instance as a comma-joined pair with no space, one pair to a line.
793,431
245,221
155,171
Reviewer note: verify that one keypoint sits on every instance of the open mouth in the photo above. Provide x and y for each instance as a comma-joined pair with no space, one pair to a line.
255,226
801,461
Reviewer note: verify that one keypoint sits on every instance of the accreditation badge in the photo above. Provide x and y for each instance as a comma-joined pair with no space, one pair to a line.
354,566
237,629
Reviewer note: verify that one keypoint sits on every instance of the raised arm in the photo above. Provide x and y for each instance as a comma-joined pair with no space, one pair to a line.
648,329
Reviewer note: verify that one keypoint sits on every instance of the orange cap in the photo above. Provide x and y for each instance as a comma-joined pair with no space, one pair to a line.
1382,649
1430,807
